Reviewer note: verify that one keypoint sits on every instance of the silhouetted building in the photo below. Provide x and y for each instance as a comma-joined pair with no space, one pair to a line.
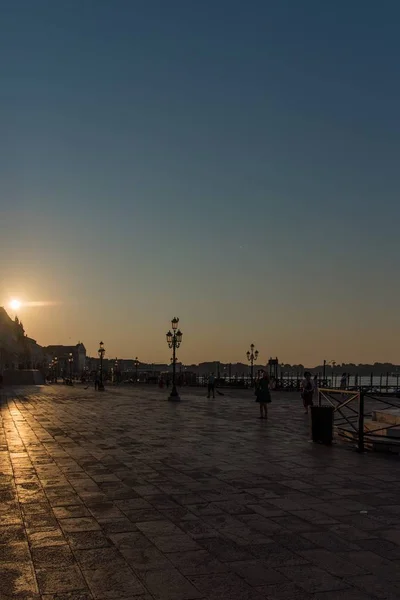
63,353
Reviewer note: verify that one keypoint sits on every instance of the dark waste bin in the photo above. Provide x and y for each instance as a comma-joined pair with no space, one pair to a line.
322,424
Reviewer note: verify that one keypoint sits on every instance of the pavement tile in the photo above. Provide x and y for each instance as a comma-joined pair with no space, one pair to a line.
196,562
130,540
56,580
110,526
79,524
284,591
11,534
17,552
375,586
225,550
169,585
256,572
52,557
154,529
312,579
106,582
75,595
224,585
145,559
46,538
175,543
17,580
95,557
82,540
67,512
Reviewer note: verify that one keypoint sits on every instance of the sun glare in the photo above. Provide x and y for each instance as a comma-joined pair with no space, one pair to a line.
15,304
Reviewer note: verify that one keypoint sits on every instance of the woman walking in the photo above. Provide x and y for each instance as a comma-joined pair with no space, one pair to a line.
263,395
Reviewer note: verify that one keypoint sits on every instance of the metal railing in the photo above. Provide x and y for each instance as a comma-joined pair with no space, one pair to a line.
352,407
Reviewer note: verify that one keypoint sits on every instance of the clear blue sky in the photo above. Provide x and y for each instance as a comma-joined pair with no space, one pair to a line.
234,163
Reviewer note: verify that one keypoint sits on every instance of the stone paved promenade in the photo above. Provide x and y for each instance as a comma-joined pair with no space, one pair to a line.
123,495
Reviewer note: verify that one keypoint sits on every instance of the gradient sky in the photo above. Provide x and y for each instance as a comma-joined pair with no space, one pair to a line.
232,163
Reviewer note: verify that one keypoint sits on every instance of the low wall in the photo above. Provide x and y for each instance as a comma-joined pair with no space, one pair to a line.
23,377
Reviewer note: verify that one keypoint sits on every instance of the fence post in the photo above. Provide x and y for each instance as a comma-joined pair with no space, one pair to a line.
361,422
319,398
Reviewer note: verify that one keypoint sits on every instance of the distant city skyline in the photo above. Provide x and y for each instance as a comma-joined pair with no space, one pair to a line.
262,358
233,164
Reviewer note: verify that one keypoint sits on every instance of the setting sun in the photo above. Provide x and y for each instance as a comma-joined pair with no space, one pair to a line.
15,304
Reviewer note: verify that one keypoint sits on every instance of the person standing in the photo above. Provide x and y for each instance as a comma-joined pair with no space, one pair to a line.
263,395
211,386
343,381
307,391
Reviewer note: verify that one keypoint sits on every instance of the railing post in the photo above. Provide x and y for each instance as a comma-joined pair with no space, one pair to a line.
361,422
319,398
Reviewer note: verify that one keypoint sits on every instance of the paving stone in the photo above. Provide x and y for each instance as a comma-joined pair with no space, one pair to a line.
109,583
52,556
376,586
169,585
11,534
175,543
225,550
196,562
46,538
75,595
79,524
256,572
131,540
94,558
313,579
67,512
145,559
224,585
56,580
17,580
284,591
14,553
82,540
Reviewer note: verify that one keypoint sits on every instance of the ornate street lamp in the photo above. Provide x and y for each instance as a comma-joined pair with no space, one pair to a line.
101,352
174,340
116,370
252,355
136,363
55,361
328,362
71,362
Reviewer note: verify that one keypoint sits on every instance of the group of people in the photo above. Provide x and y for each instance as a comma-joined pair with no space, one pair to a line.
309,389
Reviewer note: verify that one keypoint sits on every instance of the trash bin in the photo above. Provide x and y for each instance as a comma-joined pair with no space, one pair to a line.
322,424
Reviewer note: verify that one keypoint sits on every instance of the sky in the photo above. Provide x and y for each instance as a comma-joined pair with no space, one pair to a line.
235,164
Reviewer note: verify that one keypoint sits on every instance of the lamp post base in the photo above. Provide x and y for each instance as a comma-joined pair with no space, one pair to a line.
174,396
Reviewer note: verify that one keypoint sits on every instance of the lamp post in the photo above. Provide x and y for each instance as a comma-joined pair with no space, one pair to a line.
174,340
252,355
116,370
71,362
101,352
136,368
328,362
55,360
